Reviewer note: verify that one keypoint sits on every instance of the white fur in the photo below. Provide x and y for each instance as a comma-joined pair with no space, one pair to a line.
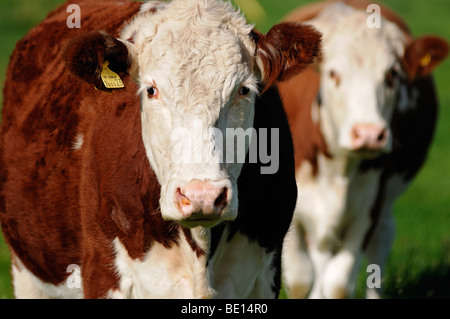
177,272
151,5
28,286
78,143
174,272
298,271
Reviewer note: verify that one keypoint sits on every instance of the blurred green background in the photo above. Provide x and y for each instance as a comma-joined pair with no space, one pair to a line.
419,266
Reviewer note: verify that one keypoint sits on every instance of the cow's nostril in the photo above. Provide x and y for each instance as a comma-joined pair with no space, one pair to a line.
382,136
221,201
355,133
182,199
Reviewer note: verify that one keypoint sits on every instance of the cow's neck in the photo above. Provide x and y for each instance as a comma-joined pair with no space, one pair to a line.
339,165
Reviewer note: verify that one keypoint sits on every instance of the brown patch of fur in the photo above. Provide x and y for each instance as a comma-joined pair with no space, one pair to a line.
299,95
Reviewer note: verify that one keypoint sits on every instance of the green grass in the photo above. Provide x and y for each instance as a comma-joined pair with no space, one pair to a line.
419,266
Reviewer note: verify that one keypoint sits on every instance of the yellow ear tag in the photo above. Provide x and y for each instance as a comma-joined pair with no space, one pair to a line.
111,79
426,60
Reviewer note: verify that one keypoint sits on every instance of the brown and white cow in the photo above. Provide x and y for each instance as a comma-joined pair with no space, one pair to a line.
362,120
91,185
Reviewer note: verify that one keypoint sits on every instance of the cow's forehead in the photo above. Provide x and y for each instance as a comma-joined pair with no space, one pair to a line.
194,48
353,44
211,63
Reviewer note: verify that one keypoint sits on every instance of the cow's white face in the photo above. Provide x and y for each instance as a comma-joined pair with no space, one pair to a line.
198,65
360,81
196,70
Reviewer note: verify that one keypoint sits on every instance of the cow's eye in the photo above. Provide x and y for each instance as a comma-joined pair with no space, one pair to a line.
152,92
244,91
335,77
390,77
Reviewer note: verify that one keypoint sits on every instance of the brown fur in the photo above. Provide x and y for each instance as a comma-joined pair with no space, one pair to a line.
283,58
298,101
423,55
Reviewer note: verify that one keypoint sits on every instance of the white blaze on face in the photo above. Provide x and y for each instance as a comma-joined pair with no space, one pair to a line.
194,61
359,79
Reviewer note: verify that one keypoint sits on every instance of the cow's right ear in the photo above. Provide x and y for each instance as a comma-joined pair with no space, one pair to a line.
86,54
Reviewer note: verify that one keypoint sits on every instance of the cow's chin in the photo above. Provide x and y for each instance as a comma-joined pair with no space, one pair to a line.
170,212
199,223
366,154
208,222
362,153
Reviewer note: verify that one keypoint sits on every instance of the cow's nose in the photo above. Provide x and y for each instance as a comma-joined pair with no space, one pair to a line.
201,200
369,137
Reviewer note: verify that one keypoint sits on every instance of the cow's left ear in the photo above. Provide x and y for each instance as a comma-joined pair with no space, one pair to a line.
86,55
423,55
286,50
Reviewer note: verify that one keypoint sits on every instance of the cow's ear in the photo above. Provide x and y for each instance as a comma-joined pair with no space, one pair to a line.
423,55
286,50
86,55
